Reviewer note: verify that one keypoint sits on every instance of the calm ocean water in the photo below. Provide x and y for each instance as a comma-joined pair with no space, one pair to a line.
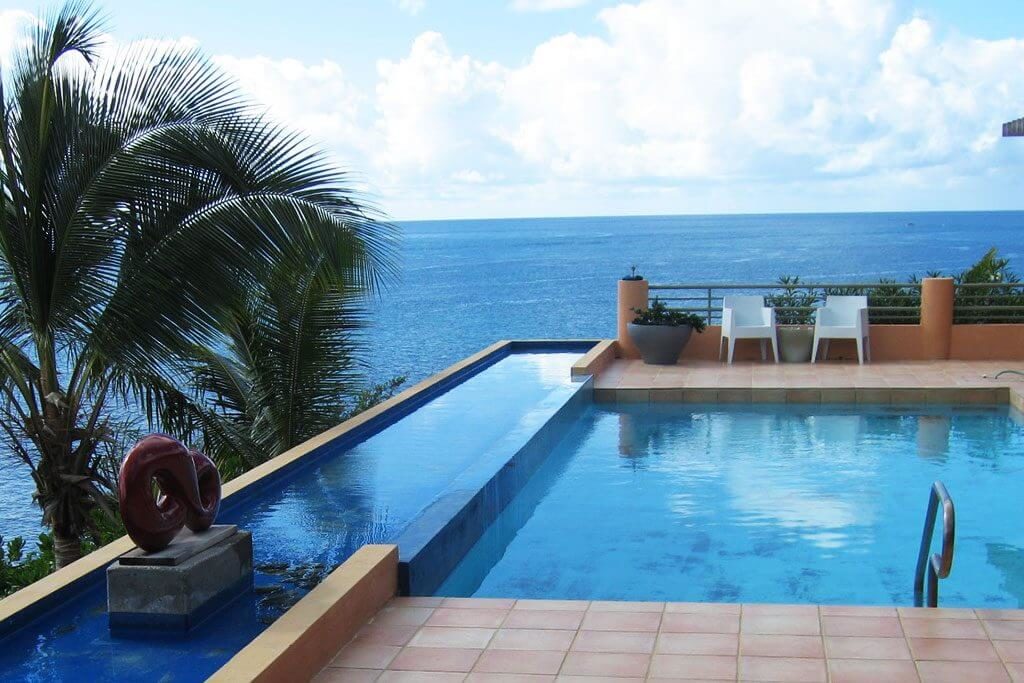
466,284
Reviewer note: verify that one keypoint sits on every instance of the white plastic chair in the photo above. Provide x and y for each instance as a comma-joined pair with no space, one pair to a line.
843,317
746,317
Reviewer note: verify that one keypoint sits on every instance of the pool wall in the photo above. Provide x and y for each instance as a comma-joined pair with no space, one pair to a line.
810,395
306,637
436,541
49,593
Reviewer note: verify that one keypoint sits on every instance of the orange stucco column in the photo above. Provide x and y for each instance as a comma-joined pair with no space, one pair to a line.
936,317
632,294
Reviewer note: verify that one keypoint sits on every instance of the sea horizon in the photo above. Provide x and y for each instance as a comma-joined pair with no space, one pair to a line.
746,214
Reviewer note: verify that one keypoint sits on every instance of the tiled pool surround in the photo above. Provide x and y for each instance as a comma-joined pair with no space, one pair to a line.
479,640
909,382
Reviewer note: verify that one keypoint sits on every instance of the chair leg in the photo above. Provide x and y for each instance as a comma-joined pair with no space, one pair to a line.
764,350
775,345
867,349
732,348
814,348
721,341
827,342
860,350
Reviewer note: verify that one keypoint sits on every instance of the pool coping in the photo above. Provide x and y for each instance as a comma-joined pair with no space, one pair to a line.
306,637
22,607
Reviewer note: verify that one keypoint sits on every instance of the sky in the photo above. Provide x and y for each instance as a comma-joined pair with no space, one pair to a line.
508,108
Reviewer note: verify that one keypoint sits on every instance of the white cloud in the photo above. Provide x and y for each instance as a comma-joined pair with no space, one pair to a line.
433,108
671,105
316,98
13,24
546,5
413,7
675,100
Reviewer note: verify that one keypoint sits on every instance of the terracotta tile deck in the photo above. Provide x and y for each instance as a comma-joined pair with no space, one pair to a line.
417,639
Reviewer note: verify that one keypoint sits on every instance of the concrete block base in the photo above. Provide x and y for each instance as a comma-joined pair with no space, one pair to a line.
175,598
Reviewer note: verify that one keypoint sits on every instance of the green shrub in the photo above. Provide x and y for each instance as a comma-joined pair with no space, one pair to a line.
660,314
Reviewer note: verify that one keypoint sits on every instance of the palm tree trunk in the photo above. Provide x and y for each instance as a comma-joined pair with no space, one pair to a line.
66,548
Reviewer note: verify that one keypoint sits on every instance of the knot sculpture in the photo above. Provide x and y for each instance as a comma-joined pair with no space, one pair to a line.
188,495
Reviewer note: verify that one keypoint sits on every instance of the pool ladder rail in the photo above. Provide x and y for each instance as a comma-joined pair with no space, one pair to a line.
939,564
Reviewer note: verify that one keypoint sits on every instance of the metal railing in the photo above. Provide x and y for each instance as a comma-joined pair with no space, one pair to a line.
794,303
988,302
938,565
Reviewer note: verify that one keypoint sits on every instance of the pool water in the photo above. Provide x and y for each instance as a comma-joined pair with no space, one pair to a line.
308,523
760,504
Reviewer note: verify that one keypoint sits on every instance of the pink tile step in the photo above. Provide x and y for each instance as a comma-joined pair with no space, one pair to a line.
519,662
605,664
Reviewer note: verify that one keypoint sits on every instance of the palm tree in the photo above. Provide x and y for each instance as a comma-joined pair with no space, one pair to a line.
285,372
142,196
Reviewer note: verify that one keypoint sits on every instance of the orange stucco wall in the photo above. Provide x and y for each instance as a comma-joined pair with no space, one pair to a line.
987,342
937,294
888,342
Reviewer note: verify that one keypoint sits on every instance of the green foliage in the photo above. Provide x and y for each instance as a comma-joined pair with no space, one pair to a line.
19,568
660,314
633,275
893,303
900,303
287,373
373,395
144,203
990,269
794,306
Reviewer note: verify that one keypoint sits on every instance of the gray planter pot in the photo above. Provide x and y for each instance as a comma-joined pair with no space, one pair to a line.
660,344
795,343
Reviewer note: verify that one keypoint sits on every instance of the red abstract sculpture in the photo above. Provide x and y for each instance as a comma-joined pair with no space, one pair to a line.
189,491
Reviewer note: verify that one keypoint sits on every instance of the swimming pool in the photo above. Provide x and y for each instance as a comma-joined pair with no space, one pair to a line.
366,487
817,504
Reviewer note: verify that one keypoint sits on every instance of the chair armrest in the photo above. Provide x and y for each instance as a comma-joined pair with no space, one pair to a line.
768,316
864,324
726,319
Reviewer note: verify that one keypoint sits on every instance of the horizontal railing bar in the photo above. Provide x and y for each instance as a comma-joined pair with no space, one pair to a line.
985,299
837,285
979,285
910,297
988,308
908,309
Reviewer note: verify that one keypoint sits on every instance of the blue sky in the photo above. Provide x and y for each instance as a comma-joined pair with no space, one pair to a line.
567,107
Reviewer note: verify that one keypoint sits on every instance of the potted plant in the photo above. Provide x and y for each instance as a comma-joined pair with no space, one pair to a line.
660,333
633,275
794,313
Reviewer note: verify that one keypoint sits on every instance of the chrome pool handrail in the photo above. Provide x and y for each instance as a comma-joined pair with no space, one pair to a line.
938,565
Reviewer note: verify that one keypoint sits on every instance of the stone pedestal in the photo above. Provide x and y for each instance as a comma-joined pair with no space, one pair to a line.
173,590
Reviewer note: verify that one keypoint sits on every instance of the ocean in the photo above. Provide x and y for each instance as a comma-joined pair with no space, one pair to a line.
465,284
